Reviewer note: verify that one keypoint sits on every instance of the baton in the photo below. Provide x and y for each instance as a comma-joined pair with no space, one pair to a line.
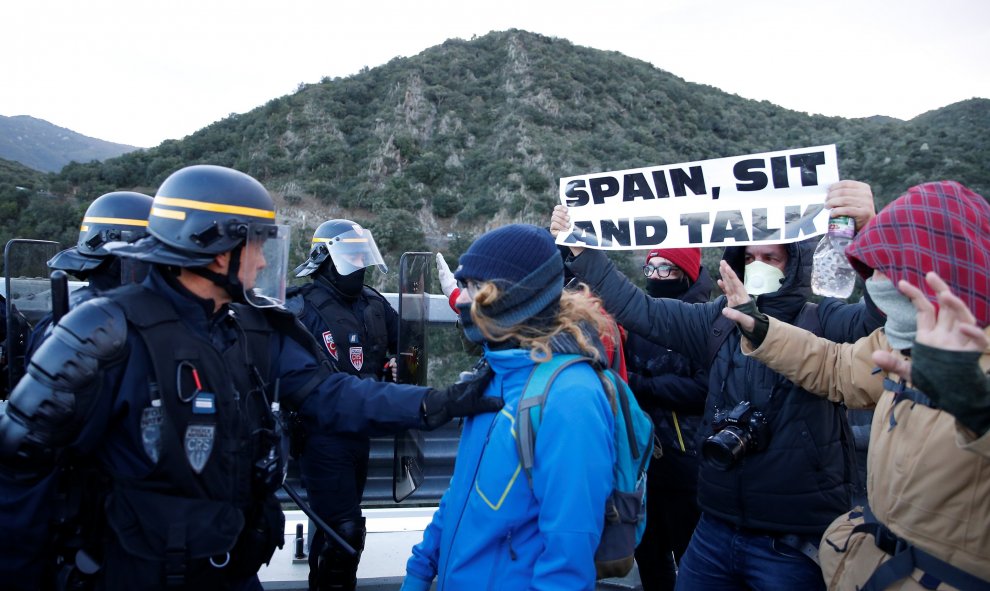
316,519
60,295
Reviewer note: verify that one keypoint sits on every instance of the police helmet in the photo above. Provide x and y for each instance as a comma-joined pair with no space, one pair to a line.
202,211
121,216
349,246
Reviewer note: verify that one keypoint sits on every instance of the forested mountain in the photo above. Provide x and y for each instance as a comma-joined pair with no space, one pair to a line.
43,146
473,134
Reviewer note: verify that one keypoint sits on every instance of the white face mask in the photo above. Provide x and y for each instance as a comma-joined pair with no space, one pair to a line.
762,278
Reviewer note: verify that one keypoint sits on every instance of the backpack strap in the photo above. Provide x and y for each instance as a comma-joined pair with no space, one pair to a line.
620,392
529,411
906,557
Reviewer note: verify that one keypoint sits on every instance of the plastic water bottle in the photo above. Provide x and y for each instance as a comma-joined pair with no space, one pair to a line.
831,273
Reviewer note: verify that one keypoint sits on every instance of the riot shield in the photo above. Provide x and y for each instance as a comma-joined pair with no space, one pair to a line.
415,278
28,299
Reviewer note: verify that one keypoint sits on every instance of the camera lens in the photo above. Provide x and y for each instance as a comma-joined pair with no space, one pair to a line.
724,448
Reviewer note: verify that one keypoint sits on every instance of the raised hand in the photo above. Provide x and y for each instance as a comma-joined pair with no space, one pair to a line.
447,282
735,293
851,198
952,328
560,221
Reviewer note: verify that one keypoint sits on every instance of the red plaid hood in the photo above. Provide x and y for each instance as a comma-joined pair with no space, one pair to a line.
942,227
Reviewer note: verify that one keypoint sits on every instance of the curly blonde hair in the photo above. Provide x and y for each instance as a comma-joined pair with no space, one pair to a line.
578,307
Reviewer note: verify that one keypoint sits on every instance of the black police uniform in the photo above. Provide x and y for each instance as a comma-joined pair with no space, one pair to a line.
142,448
120,216
356,333
187,489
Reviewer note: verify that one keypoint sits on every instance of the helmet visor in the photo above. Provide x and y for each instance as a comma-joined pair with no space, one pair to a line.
354,250
264,262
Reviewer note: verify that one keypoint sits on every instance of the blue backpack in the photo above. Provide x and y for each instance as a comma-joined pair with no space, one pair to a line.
625,509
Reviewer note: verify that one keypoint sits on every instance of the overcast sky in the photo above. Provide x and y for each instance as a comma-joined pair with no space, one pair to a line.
139,72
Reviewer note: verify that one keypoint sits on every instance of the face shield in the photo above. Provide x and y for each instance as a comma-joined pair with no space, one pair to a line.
263,265
354,250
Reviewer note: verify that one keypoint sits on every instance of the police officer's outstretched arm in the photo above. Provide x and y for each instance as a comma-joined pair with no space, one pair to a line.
335,401
463,399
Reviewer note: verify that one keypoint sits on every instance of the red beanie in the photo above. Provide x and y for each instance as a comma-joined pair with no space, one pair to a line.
688,259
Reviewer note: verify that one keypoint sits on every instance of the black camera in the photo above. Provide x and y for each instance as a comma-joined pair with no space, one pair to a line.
741,431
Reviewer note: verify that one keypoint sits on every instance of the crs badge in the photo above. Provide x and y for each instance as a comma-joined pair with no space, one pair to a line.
199,443
331,344
357,357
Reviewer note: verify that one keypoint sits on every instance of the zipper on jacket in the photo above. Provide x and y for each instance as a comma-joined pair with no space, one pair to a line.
498,566
442,577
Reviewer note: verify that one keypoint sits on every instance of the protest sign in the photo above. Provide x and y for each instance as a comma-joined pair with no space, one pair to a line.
771,197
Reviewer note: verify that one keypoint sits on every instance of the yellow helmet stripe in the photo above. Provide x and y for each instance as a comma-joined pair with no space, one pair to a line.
168,213
329,240
215,207
115,221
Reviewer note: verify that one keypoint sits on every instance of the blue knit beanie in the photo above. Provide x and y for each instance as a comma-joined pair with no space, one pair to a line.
524,262
509,254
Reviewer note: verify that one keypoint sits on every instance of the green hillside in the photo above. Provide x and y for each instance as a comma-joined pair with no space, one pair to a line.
431,150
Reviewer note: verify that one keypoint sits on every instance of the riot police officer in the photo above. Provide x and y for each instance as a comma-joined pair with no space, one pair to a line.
143,447
120,216
358,329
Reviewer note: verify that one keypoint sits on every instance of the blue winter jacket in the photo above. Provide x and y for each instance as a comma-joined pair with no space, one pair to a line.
495,531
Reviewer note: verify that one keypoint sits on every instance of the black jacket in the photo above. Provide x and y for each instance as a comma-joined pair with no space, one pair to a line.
804,477
671,388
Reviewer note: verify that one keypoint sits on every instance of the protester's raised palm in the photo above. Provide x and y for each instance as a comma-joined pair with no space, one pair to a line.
952,327
735,293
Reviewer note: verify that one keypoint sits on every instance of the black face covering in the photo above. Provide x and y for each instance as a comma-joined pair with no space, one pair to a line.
348,285
668,288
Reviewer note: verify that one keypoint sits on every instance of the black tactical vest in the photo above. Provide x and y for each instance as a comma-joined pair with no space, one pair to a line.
361,343
210,496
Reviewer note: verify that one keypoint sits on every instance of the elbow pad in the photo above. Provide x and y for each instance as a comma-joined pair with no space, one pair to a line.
51,403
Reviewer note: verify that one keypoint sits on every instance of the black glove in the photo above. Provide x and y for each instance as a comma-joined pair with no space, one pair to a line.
463,399
762,326
954,382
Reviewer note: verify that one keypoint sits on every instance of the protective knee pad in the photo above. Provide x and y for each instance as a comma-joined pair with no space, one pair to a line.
336,569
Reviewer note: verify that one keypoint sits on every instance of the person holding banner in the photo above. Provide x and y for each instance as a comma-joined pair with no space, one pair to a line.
672,390
927,524
777,461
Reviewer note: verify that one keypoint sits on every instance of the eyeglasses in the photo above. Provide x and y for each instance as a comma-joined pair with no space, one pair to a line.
662,271
469,286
